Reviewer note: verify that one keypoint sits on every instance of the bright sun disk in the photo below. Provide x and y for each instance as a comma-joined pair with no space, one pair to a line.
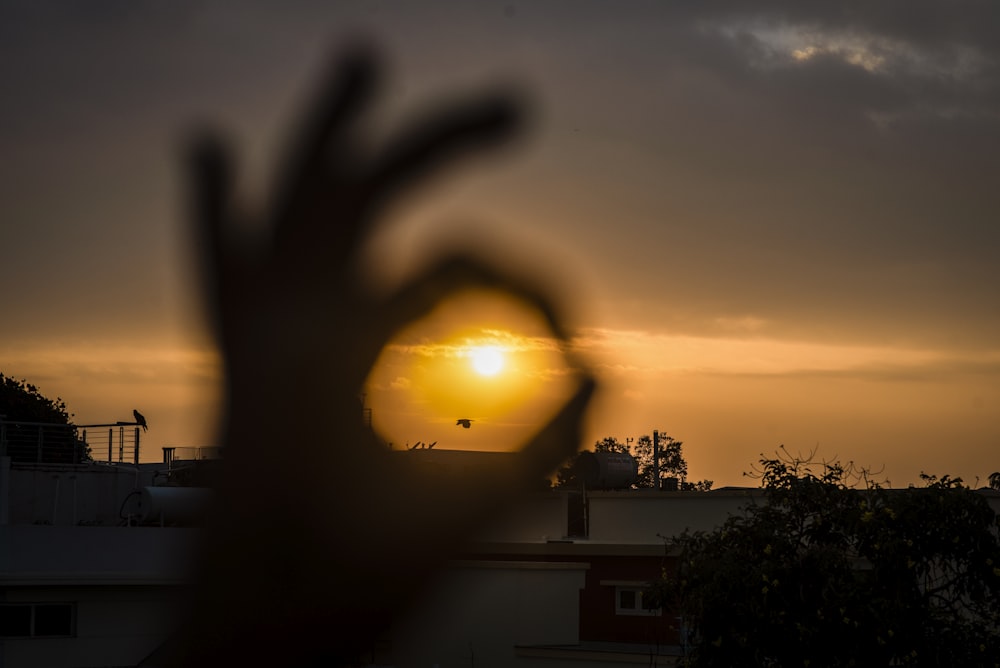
486,360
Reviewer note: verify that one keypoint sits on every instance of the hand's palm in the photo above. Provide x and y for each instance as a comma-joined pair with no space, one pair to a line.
315,522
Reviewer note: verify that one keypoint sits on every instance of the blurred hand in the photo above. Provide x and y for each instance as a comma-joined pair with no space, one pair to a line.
319,535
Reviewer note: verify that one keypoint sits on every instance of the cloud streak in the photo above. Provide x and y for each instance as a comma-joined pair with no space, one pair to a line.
459,346
639,352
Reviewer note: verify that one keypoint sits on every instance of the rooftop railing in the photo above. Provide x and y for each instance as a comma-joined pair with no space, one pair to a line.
187,453
41,442
118,440
56,443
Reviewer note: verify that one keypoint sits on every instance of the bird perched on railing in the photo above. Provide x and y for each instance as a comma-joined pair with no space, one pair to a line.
139,419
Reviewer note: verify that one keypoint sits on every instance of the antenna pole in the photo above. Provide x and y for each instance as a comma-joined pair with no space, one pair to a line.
656,460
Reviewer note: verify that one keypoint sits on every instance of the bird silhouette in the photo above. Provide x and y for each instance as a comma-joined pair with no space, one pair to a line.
139,419
465,422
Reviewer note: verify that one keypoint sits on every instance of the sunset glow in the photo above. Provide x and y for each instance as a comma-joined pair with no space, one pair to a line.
486,360
481,356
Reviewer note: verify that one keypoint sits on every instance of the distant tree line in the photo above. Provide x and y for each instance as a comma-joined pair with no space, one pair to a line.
672,465
829,568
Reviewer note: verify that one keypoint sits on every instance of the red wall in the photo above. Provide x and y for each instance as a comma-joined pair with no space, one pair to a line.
598,620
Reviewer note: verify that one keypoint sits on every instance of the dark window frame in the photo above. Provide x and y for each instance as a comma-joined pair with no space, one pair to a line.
638,607
51,621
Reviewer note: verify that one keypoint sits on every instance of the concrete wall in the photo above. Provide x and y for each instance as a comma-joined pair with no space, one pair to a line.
537,518
478,611
66,495
123,582
625,517
636,517
115,626
94,555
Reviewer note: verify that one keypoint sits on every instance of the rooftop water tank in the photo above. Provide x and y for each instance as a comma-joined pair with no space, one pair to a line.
607,470
173,505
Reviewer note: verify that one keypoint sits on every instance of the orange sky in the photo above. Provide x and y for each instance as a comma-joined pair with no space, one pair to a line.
772,224
899,410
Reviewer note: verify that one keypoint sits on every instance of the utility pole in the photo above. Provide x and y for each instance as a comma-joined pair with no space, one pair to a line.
656,460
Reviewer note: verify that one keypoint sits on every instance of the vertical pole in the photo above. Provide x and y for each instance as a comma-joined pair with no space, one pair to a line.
111,441
55,501
135,456
656,460
4,489
73,478
121,444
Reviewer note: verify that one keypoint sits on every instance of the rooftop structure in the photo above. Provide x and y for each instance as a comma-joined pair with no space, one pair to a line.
94,557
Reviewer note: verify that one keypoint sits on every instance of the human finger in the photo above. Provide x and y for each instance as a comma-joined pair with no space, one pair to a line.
343,96
432,144
210,174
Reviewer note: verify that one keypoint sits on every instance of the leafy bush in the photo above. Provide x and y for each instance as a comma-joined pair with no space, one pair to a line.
830,568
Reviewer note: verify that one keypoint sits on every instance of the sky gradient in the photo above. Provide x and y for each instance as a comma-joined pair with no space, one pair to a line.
773,224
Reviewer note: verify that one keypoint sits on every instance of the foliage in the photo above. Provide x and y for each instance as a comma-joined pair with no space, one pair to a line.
21,402
832,569
995,480
672,462
610,444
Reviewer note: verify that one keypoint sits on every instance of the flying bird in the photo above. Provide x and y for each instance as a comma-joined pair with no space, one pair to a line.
139,419
465,422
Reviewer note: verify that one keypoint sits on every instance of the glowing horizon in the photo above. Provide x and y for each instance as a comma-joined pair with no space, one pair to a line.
724,395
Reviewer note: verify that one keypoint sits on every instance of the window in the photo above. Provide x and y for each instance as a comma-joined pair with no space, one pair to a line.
629,601
15,620
53,619
36,620
629,597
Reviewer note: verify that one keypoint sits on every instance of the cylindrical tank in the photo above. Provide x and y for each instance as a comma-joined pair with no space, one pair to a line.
607,470
173,505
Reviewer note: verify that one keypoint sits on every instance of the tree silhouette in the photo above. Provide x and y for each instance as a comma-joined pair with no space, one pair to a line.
832,569
672,462
610,444
20,403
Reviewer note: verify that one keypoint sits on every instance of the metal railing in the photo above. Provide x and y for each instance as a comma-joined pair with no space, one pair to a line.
118,440
188,453
42,443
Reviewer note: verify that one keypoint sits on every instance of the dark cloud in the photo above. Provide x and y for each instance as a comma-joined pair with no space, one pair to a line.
848,188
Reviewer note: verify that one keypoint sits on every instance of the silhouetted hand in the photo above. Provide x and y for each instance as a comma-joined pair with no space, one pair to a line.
319,535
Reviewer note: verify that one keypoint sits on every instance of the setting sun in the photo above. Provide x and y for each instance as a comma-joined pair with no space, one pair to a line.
480,355
486,360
